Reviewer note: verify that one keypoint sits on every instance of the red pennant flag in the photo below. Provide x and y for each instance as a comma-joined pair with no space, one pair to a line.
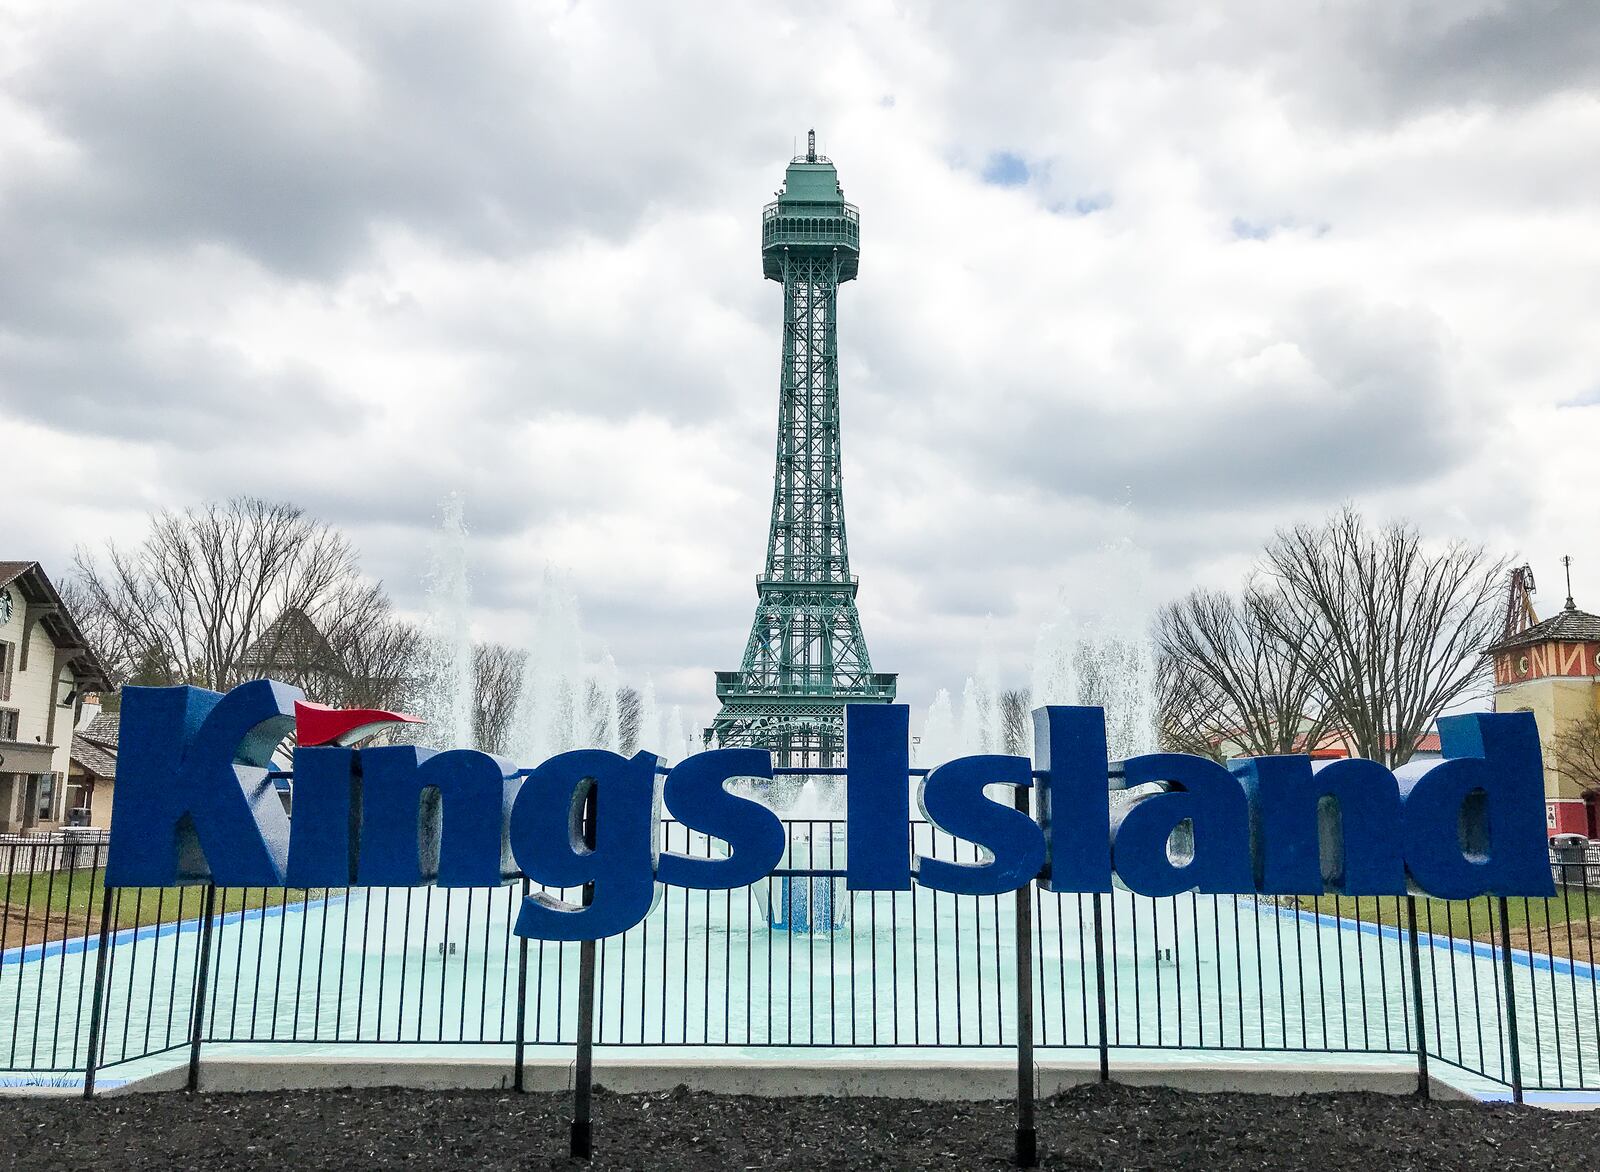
318,724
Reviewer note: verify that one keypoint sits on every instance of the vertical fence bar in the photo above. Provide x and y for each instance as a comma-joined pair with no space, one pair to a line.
1027,1140
1511,1003
522,990
97,1006
201,980
1100,991
1424,1086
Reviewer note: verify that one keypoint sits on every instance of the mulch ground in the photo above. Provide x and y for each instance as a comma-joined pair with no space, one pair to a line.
1107,1127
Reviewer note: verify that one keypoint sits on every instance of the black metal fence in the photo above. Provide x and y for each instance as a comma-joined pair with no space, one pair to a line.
1503,989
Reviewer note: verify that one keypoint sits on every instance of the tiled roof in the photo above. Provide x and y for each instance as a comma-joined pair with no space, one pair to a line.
11,571
1569,625
103,729
97,759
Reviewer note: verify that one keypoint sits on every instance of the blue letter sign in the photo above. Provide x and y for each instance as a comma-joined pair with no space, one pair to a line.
195,803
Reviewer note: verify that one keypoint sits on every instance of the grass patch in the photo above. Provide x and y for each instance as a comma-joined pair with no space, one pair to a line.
52,905
1467,919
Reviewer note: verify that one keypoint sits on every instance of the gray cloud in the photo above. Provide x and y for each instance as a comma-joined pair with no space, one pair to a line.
1264,259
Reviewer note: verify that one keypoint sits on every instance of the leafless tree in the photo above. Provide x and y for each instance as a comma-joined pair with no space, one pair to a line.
1575,751
498,671
1186,710
1236,674
1015,735
227,591
1395,632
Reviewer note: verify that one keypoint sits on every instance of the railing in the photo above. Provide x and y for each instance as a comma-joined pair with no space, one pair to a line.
1502,989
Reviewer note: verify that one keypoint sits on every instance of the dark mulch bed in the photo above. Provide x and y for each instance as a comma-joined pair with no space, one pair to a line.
1093,1127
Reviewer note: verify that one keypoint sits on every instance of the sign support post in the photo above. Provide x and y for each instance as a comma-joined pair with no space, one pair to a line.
522,998
1100,989
583,1078
98,1005
1027,1154
1424,1085
201,980
1508,971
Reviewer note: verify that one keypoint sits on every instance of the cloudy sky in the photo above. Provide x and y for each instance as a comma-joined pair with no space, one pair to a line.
1146,272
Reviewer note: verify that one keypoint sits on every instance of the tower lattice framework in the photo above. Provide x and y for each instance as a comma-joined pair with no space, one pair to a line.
805,657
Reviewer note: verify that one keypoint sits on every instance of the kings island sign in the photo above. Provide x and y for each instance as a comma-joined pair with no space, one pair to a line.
194,803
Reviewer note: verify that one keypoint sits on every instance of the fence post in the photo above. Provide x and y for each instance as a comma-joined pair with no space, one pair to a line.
583,1078
98,1005
522,994
1507,970
1027,1139
1424,1086
201,980
1100,991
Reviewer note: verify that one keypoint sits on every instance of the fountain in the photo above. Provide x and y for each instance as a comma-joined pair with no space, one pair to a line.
447,698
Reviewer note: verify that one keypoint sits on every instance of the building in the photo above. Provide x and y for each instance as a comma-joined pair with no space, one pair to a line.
1552,669
93,766
46,667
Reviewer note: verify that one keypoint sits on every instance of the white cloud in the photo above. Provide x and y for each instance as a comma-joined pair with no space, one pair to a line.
358,256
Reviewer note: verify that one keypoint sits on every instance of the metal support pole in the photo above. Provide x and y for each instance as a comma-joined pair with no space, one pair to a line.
1027,1153
1506,970
1100,991
522,995
201,980
98,1005
1424,1085
583,1078
583,1081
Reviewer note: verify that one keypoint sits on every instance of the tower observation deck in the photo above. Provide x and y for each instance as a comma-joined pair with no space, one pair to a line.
806,657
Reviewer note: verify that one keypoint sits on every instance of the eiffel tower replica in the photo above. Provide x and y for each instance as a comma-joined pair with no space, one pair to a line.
806,657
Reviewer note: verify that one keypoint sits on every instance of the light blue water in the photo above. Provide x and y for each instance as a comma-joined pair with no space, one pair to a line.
427,967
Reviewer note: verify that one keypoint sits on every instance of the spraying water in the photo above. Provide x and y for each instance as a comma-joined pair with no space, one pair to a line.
1101,655
447,700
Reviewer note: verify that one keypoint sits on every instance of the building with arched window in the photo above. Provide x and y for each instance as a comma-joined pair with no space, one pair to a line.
1552,669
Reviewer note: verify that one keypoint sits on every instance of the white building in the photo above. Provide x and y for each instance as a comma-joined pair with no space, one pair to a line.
45,669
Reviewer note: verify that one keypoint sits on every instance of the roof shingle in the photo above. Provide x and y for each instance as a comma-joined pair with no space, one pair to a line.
1569,625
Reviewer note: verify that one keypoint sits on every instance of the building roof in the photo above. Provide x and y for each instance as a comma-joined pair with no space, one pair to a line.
291,642
1568,625
94,746
38,592
104,729
97,759
11,571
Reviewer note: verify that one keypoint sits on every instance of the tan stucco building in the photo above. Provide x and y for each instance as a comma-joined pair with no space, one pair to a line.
1552,670
45,669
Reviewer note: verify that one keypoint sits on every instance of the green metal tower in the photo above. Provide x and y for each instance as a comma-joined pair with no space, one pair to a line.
806,657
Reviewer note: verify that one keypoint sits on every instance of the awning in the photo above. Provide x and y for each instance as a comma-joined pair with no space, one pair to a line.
17,757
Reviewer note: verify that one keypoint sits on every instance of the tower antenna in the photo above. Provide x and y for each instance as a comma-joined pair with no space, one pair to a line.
1567,562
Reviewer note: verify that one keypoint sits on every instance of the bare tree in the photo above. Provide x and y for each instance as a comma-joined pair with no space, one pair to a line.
223,592
1186,710
498,671
1237,672
1395,633
1575,751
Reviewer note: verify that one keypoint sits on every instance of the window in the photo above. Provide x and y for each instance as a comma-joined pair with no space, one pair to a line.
8,724
8,660
47,797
